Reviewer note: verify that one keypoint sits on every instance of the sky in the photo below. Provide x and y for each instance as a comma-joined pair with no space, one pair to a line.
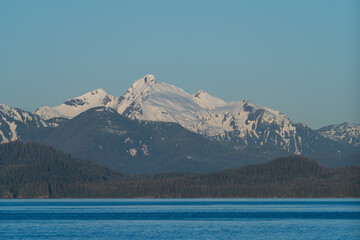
299,57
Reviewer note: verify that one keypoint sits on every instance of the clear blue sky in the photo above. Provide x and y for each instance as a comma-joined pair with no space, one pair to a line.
299,57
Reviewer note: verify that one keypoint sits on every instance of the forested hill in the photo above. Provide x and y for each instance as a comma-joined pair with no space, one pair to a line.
32,170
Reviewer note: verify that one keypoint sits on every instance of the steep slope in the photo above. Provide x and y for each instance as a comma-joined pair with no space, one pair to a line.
14,121
133,146
249,124
240,122
75,106
346,133
147,99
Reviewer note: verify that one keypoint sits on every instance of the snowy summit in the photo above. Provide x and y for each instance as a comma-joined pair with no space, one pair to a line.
240,122
75,106
147,99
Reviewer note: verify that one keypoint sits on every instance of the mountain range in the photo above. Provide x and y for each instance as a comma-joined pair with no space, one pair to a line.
244,131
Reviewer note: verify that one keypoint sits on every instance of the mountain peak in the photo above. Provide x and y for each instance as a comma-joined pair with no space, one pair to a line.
199,93
207,101
142,84
77,105
139,91
149,79
99,91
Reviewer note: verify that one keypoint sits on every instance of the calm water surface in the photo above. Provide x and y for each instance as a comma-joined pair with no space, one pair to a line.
180,219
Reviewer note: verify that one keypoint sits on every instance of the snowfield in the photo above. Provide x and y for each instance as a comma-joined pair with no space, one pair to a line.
241,122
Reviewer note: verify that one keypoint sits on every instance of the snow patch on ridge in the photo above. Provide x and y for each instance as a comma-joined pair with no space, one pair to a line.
145,150
75,106
132,152
207,101
13,126
345,132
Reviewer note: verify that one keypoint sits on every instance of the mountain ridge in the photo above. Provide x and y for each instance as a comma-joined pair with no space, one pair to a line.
242,124
347,133
77,105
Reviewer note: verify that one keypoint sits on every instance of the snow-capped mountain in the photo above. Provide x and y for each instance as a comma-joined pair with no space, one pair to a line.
75,106
242,122
13,118
147,99
348,133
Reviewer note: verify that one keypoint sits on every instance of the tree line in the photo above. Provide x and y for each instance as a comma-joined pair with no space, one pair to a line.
33,170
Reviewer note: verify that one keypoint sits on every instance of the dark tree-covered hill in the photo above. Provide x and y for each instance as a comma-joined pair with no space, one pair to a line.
143,147
33,170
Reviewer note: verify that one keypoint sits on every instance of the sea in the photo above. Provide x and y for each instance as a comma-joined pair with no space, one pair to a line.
180,219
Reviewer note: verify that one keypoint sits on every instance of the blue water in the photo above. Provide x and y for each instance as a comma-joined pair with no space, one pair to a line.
181,219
